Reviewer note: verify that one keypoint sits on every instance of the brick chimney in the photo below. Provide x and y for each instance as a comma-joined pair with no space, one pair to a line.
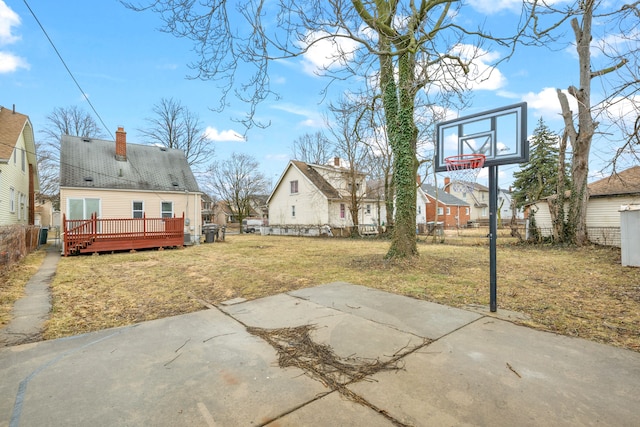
336,161
121,144
418,179
447,187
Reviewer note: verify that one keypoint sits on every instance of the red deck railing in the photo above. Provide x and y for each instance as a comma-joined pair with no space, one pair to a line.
111,234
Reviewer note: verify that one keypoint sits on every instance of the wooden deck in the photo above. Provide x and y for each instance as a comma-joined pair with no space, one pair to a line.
105,235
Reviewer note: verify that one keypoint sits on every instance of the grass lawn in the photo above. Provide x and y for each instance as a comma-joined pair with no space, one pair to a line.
577,292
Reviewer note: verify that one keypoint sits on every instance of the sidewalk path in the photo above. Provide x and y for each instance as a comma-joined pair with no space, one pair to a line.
32,310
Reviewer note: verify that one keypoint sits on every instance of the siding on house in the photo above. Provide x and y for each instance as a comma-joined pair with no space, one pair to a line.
119,204
17,154
312,207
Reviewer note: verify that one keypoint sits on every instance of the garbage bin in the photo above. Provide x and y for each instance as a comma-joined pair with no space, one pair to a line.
209,236
44,233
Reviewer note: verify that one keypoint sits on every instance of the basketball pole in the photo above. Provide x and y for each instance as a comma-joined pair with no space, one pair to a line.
493,236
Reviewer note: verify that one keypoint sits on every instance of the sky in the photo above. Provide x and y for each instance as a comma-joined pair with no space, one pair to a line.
125,66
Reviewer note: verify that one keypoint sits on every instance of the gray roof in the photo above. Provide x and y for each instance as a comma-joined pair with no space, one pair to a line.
91,163
443,196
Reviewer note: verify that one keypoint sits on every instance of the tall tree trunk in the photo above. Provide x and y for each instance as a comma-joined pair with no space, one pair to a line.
403,241
580,139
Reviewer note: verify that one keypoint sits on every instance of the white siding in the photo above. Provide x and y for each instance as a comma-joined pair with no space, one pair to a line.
604,212
311,206
13,176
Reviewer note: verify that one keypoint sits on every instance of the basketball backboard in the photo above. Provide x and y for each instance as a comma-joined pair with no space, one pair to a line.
499,134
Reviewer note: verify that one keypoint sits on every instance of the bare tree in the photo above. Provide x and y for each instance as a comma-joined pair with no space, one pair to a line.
61,121
347,117
581,126
236,182
175,126
312,148
403,45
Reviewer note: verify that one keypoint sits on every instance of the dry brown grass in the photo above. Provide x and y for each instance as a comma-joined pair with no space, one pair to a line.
13,280
578,292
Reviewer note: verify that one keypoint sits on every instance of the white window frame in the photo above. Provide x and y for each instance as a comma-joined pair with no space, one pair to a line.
24,160
448,210
85,212
293,211
163,212
293,186
467,211
12,200
134,210
440,210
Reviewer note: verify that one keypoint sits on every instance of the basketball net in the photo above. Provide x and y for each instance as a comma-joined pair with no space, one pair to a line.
464,170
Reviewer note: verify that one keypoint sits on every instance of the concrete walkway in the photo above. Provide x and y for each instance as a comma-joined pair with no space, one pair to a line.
432,366
32,310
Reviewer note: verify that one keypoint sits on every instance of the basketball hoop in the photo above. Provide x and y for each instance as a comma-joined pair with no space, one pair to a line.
464,170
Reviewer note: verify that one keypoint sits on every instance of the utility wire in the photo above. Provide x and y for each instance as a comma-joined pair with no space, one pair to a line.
68,70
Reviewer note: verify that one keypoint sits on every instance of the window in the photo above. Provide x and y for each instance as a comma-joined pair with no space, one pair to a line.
294,186
22,213
464,196
167,210
482,196
137,209
448,211
419,209
82,208
12,199
368,209
440,211
293,210
24,160
467,211
342,210
484,211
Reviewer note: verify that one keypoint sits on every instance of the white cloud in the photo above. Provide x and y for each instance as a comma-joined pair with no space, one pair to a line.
547,104
10,62
8,20
312,118
326,51
213,134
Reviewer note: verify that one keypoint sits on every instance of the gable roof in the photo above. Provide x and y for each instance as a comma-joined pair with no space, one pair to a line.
625,182
92,163
11,126
316,179
443,196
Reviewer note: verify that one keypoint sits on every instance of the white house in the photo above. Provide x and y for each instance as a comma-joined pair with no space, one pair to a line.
18,168
606,197
308,198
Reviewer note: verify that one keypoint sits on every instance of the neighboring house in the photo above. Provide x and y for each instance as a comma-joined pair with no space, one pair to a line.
606,198
310,196
117,180
207,209
477,198
449,210
18,168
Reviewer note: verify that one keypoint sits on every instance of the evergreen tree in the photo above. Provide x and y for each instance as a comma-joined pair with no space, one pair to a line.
539,177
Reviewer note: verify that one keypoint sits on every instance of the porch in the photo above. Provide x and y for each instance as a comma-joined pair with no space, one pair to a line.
109,234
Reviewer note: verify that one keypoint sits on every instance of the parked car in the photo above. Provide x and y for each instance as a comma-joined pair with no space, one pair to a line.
251,225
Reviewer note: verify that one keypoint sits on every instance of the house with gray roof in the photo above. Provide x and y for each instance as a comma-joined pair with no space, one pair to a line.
445,208
120,180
